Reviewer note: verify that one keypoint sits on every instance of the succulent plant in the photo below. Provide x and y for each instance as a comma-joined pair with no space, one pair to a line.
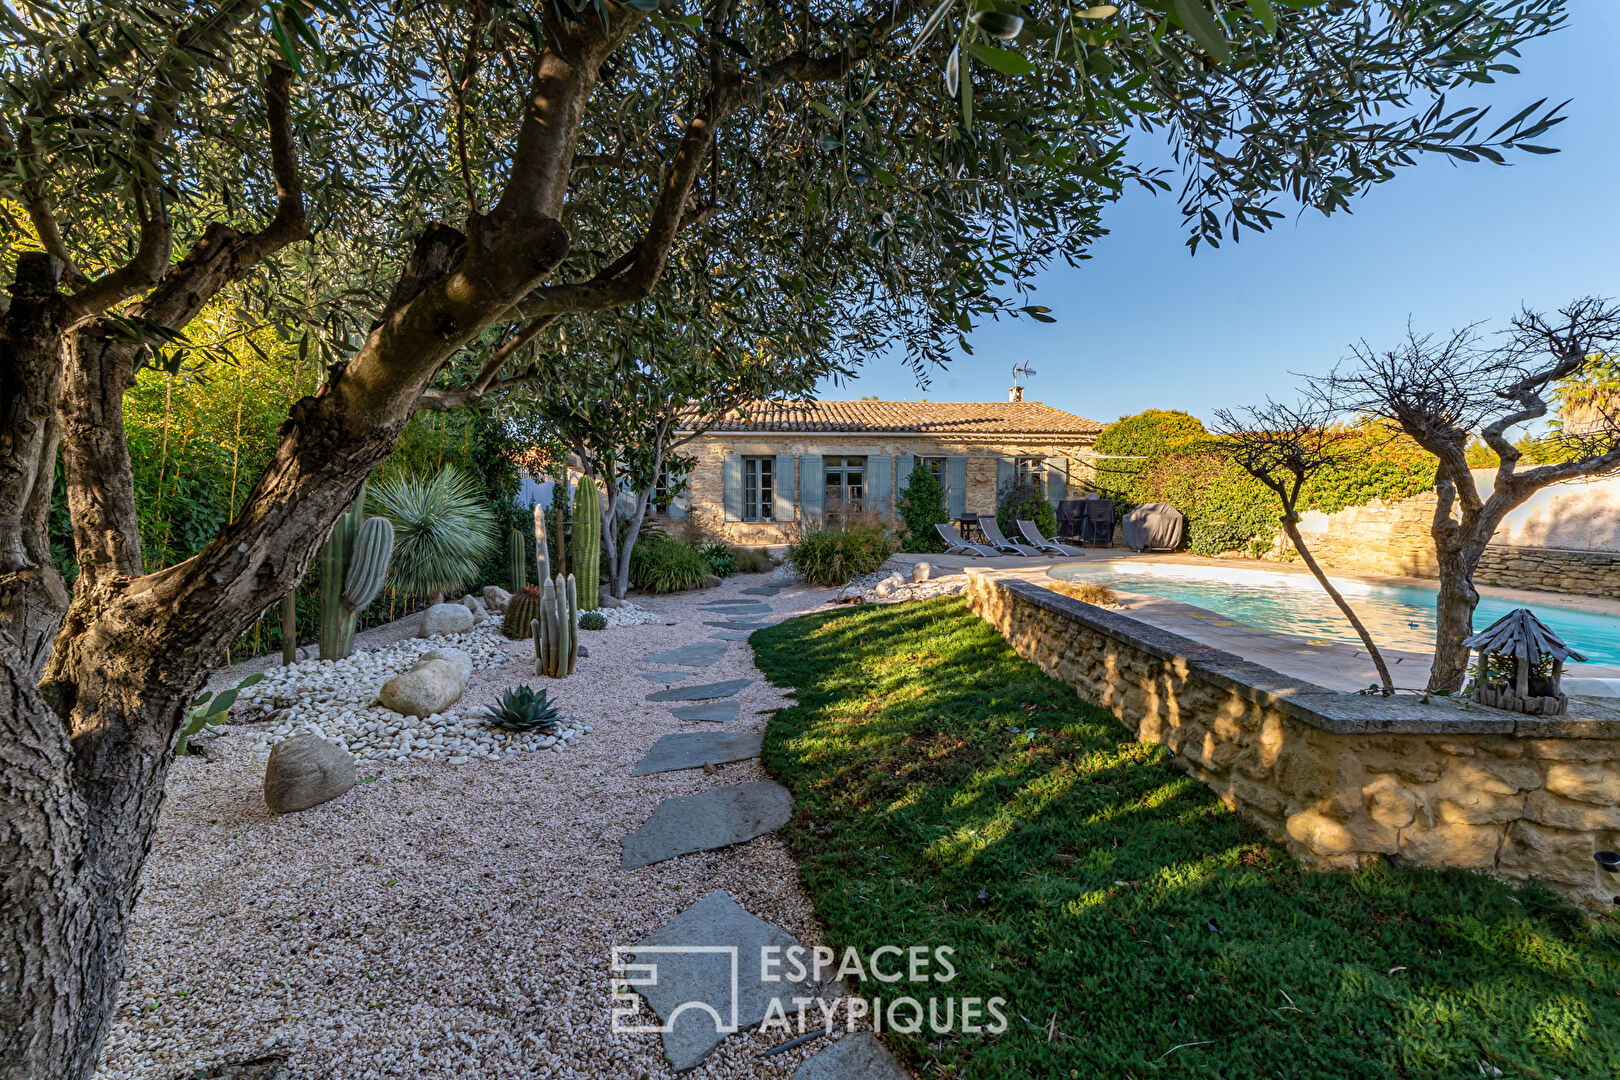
556,628
521,610
517,560
354,564
542,555
592,620
522,709
585,544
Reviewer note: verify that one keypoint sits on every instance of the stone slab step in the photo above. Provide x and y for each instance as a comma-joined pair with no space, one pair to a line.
663,676
717,818
861,1056
701,691
721,712
692,654
691,750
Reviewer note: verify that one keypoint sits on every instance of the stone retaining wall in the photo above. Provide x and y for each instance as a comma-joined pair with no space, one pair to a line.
1338,778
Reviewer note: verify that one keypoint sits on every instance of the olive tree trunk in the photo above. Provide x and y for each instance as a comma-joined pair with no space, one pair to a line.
1291,528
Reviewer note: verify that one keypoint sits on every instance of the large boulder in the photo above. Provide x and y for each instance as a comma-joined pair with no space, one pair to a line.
305,771
474,604
446,619
496,598
457,658
432,686
607,599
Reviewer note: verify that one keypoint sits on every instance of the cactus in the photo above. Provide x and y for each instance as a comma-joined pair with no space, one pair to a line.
521,610
542,557
585,546
517,561
354,564
556,635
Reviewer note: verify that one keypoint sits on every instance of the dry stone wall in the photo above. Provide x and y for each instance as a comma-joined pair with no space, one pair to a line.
1339,778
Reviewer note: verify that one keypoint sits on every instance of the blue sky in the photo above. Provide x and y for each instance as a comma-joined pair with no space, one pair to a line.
1145,325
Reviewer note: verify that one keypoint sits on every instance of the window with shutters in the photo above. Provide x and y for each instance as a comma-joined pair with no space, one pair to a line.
935,465
1031,467
845,487
759,488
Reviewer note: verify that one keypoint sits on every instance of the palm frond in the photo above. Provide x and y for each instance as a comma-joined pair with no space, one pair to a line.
443,530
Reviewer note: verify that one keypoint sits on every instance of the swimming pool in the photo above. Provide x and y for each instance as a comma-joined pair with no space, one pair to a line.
1398,616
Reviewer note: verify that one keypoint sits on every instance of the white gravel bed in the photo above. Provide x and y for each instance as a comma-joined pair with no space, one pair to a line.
629,615
443,921
891,583
337,700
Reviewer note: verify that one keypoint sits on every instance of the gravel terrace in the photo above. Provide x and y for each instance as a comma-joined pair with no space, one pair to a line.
445,920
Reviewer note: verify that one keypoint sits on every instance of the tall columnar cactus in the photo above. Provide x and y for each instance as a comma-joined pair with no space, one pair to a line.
542,556
556,630
585,546
354,564
517,561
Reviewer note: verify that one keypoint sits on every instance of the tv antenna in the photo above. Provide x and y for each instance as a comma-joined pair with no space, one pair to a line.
1021,372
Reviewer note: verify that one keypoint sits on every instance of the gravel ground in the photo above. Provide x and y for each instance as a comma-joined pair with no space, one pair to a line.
442,920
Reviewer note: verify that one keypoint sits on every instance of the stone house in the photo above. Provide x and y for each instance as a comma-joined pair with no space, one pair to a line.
762,473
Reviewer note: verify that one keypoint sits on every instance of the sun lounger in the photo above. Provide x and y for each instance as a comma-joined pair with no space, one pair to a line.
955,545
992,533
1033,534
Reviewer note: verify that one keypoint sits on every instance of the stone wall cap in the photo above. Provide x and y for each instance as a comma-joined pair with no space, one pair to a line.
1328,710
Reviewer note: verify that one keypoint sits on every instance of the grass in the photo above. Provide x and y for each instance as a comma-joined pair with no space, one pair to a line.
1085,591
947,793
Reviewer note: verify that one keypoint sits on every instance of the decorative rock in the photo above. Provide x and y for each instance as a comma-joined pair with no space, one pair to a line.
696,654
430,687
457,658
920,573
695,749
711,581
475,605
860,1056
305,771
702,691
496,598
604,598
721,712
445,619
716,818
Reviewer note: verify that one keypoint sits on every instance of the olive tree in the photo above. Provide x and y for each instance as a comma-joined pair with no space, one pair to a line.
1444,391
494,172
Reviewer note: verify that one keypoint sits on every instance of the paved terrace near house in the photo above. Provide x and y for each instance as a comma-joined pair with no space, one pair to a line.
1334,665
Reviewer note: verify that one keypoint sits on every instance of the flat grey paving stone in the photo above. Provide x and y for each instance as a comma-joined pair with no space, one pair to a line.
860,1056
716,818
721,712
695,654
701,691
745,606
711,933
761,590
735,624
691,750
732,635
663,676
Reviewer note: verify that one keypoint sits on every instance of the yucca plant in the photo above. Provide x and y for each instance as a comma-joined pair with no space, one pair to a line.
522,709
443,531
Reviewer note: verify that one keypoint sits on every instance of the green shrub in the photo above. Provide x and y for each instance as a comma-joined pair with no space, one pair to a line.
833,556
1025,498
662,564
721,559
592,620
753,560
443,531
1226,508
922,506
1132,445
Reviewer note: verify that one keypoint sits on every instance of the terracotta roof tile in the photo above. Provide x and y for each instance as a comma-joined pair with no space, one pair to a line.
923,417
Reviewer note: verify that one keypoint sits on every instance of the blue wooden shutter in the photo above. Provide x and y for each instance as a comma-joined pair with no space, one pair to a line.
1004,475
812,485
879,484
731,473
1057,479
903,464
956,486
783,508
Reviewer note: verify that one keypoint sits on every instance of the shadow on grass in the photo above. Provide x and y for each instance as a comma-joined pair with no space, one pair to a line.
948,793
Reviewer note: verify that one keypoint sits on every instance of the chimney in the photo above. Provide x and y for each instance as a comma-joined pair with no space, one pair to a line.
1015,393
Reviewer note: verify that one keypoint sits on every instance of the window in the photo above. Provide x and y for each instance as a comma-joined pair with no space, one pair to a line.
845,487
661,496
1031,468
759,489
935,465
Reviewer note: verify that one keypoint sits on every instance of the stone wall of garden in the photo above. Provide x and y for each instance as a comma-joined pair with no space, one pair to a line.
1565,539
1339,778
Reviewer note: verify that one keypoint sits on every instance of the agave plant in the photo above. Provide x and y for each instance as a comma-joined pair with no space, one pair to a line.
522,709
443,531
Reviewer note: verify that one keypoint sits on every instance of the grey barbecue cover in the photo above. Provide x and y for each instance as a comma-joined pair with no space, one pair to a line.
1156,526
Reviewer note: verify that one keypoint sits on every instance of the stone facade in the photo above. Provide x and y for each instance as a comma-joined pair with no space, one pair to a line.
1340,778
704,504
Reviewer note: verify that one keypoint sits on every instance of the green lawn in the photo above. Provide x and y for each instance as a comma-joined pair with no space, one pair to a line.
948,793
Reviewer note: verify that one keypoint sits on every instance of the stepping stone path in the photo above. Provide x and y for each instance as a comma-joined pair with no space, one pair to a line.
696,654
716,818
855,1057
716,924
736,601
701,691
762,590
732,635
663,676
742,607
696,749
721,712
734,624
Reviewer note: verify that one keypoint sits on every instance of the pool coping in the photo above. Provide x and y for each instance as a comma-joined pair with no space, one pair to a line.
1335,711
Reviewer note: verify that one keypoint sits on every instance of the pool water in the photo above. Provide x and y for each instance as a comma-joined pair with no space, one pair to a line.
1397,616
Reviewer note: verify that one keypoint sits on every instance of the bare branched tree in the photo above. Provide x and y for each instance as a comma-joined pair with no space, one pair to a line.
1283,446
1444,391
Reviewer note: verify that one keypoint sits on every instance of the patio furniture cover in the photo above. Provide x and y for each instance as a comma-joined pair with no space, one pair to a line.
1156,526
